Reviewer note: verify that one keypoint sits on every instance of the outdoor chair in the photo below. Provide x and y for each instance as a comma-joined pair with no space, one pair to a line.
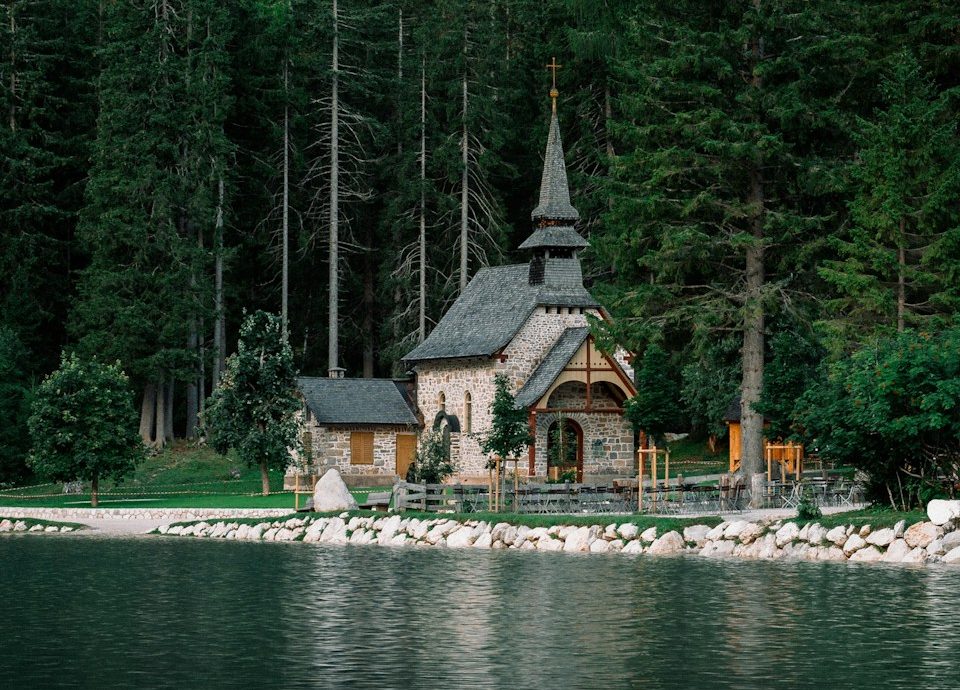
791,499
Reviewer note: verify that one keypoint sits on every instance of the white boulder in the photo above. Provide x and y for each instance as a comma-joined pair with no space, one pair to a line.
696,534
628,531
941,512
331,494
669,543
882,537
896,552
648,535
854,543
953,555
787,533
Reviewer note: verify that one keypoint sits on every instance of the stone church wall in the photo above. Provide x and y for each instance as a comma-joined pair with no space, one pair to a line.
454,378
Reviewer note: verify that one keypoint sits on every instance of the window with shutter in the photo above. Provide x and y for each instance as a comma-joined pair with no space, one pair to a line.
361,448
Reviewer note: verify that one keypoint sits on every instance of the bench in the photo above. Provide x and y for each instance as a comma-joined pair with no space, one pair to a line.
376,500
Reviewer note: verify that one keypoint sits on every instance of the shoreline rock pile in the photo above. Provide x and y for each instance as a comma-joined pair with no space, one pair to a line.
923,542
7,525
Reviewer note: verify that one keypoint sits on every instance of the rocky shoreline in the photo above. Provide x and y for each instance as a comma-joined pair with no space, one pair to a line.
923,542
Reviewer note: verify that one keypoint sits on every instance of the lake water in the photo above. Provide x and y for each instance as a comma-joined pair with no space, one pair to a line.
86,612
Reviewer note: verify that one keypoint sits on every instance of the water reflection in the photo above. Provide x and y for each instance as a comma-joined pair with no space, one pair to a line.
162,613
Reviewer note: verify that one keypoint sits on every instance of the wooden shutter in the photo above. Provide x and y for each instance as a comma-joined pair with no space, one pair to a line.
361,448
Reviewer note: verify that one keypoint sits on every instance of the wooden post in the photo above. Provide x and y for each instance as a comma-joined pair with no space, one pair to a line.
783,468
666,469
640,482
653,475
795,447
490,489
296,492
516,485
769,463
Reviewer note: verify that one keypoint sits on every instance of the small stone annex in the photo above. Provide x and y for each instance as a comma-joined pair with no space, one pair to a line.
527,321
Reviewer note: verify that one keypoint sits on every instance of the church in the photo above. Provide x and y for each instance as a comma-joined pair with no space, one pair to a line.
528,321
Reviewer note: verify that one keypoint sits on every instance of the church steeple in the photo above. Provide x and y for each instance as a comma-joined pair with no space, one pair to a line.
554,242
554,207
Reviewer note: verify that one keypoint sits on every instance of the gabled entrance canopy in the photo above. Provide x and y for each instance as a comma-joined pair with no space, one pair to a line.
574,357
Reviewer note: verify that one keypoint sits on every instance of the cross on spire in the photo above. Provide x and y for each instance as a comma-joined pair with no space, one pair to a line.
553,67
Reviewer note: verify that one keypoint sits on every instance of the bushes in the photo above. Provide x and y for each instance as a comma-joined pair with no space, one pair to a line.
891,410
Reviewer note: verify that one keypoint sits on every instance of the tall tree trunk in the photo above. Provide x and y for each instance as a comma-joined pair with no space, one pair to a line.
464,191
264,479
286,202
160,435
95,491
193,398
369,304
333,354
607,122
422,298
169,391
13,68
219,335
751,387
901,278
148,414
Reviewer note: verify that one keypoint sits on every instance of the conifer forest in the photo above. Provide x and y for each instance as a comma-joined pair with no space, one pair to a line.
768,186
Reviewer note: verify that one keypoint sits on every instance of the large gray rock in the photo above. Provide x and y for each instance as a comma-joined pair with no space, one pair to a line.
951,540
896,552
751,532
920,535
952,556
578,540
787,533
331,493
882,537
461,538
854,543
941,512
838,535
867,555
696,534
669,543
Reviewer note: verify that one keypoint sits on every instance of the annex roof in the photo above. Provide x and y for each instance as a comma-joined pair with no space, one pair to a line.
356,401
551,366
490,312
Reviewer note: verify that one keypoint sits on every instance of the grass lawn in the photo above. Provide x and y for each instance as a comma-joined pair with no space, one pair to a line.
692,459
181,476
876,517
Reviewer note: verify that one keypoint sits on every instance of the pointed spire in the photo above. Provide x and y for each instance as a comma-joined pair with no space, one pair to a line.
554,207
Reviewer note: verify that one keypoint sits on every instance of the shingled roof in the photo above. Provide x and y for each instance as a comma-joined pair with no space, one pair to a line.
551,366
356,401
554,202
561,236
490,311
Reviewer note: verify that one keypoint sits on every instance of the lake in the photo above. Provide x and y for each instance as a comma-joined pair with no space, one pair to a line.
88,612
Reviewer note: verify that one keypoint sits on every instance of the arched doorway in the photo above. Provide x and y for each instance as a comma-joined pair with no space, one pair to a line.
565,450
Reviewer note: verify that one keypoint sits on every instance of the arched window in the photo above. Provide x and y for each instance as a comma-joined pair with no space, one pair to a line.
442,402
467,413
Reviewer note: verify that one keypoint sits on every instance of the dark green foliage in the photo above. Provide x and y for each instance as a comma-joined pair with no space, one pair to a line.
807,508
655,409
255,409
14,409
891,410
509,433
83,424
432,462
790,371
899,265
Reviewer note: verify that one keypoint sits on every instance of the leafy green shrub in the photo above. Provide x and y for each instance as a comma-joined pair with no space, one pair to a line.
432,462
807,508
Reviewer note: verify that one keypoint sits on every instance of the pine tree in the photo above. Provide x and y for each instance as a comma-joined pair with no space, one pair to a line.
898,266
722,130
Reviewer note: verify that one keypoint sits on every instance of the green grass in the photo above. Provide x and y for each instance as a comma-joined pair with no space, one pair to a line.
181,476
876,517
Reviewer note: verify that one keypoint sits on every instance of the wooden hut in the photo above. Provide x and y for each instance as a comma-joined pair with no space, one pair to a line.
786,455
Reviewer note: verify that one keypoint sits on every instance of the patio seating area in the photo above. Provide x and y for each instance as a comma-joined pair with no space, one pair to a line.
620,496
